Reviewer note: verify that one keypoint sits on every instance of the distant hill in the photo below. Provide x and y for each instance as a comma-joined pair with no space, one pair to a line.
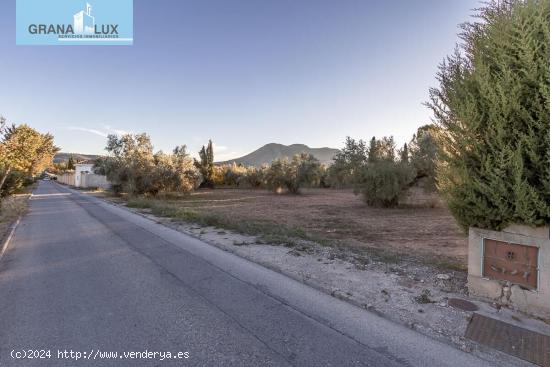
64,157
270,152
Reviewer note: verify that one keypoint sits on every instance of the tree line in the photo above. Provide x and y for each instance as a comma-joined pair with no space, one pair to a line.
377,170
133,167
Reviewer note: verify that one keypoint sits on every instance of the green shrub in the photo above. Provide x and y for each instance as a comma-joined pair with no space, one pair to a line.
493,110
132,167
303,170
384,183
278,174
238,176
253,178
373,171
234,174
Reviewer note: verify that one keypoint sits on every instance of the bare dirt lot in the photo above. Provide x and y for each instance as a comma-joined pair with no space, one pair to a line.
331,217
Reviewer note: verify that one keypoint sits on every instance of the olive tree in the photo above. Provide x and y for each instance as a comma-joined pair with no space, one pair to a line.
303,170
132,167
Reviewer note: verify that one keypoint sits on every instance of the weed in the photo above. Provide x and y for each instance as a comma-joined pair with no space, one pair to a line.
384,255
10,209
424,297
444,264
138,203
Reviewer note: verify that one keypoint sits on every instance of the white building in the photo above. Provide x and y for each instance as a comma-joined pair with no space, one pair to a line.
83,21
79,169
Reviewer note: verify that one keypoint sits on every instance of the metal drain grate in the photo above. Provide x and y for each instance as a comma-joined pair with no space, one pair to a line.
525,344
462,304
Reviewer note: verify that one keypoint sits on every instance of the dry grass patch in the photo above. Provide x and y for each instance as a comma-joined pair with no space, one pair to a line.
335,218
10,209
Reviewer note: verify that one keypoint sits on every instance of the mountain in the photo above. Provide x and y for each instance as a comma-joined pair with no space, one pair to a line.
78,157
270,152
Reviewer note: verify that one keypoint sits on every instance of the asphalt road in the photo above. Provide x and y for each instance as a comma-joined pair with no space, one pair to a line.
85,276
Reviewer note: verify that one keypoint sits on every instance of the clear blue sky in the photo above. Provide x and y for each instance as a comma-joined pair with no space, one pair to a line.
242,72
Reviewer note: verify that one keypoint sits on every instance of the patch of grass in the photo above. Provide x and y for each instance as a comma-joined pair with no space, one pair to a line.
139,203
280,239
445,264
269,231
338,225
10,209
322,241
384,255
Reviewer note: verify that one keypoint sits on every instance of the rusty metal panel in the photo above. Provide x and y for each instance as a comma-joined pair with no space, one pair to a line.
511,262
522,343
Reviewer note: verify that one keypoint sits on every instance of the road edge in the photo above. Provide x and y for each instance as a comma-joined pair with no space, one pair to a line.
482,352
11,231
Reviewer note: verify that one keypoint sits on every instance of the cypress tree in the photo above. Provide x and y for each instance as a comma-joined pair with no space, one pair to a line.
206,164
493,110
70,163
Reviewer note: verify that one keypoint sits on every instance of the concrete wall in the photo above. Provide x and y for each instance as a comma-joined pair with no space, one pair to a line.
79,170
87,180
66,178
536,302
90,180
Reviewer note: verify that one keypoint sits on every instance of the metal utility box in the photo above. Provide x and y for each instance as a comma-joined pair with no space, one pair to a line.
511,262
